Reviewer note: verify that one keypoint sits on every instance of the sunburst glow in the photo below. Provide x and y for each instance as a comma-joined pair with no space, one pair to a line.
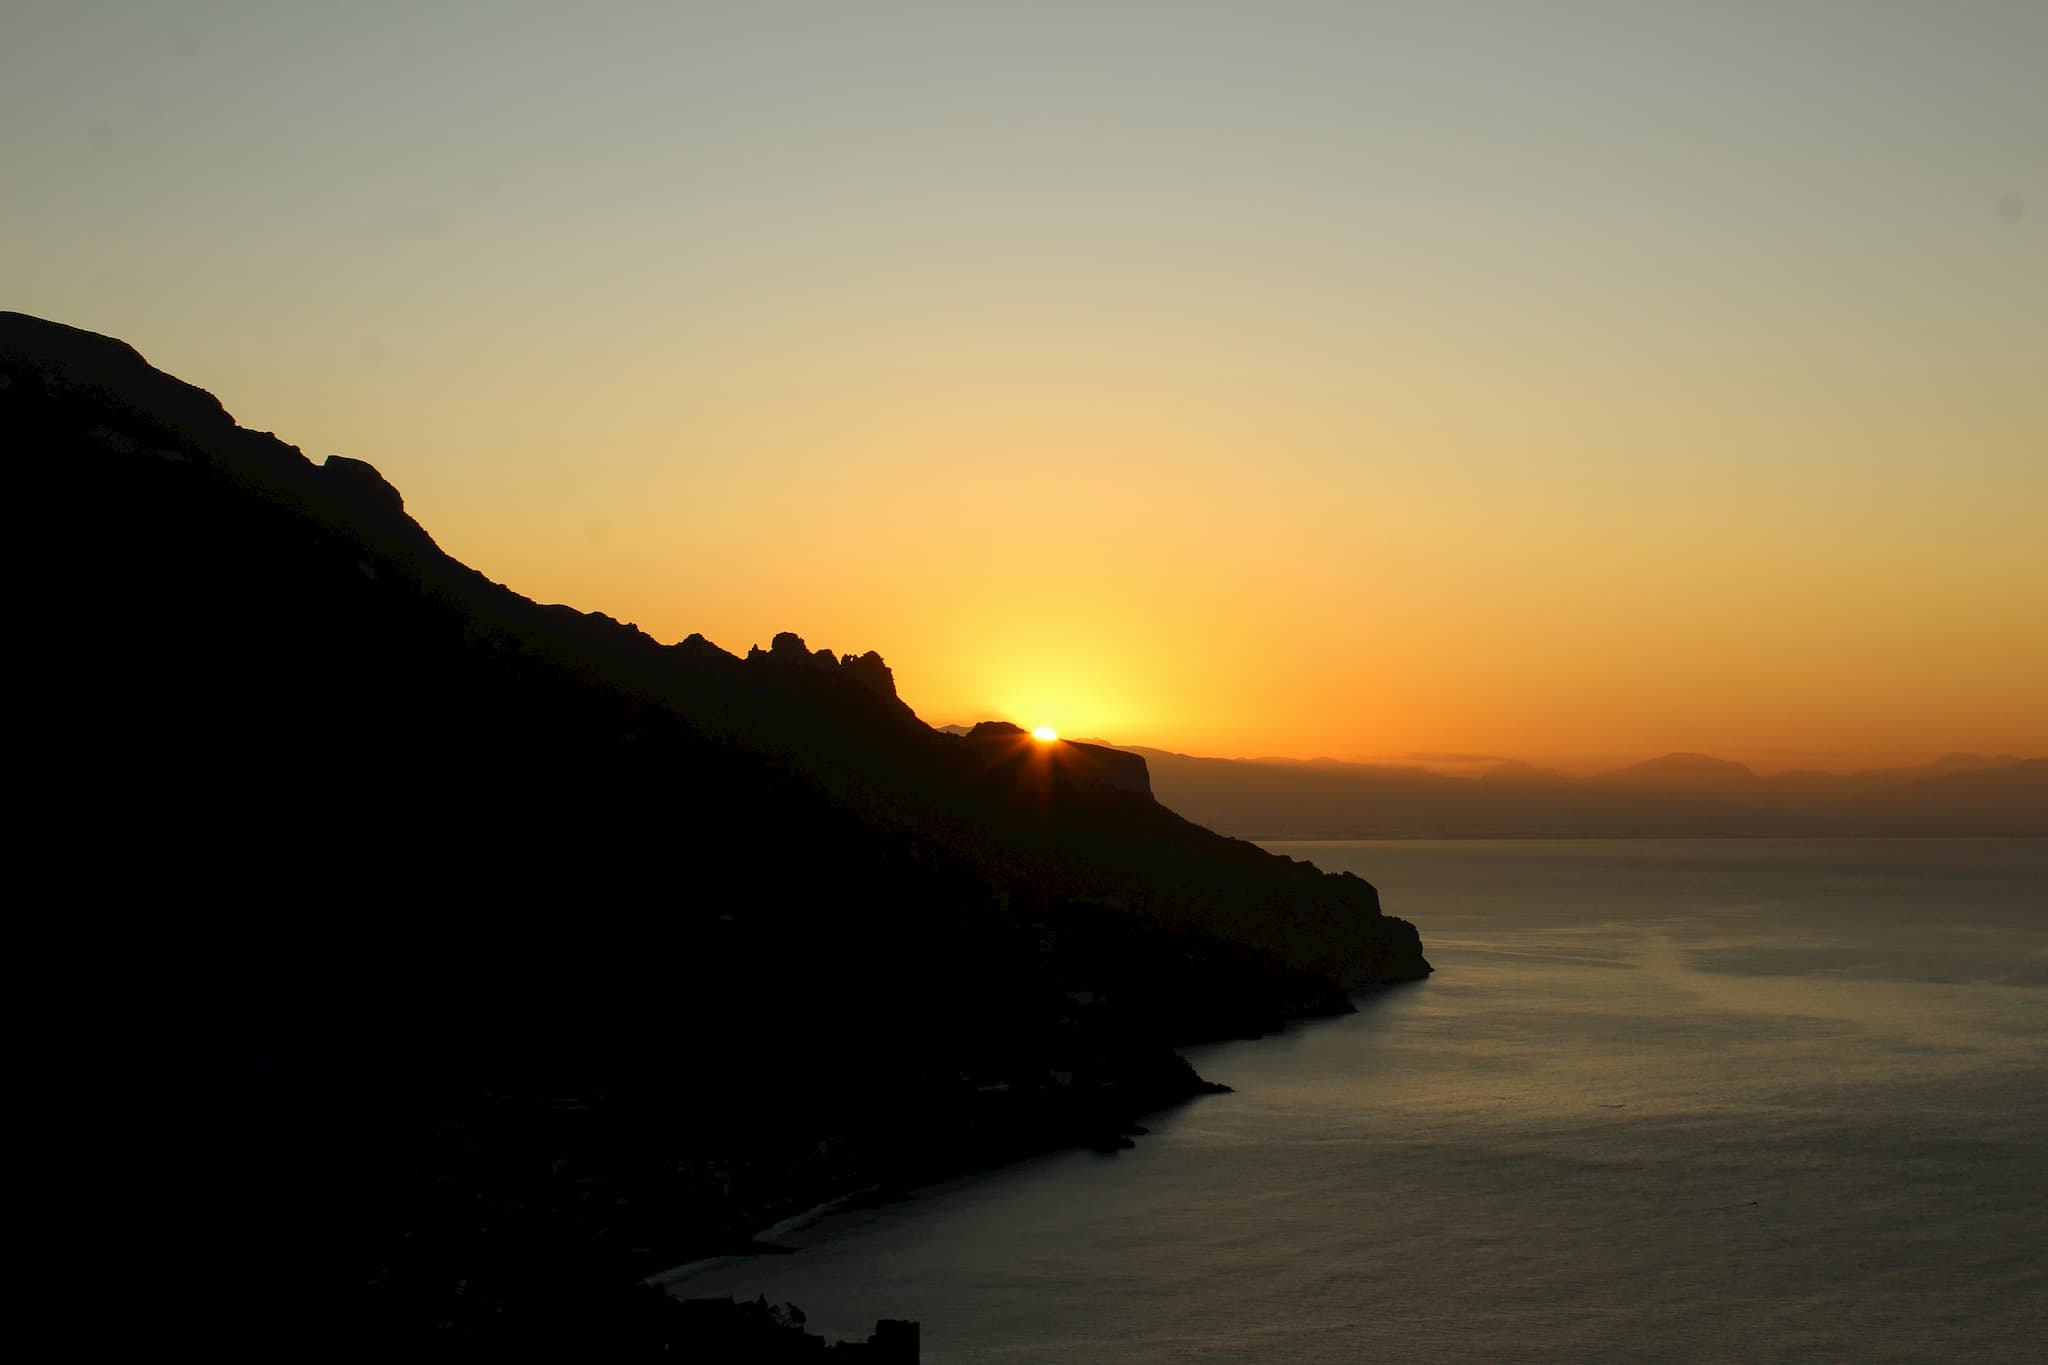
1045,732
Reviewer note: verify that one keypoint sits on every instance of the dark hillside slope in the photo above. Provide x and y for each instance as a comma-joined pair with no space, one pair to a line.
464,911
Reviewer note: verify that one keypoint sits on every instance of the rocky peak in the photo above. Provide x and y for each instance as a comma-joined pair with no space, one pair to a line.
787,652
868,671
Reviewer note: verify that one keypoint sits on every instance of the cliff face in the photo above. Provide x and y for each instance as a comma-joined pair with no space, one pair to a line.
422,857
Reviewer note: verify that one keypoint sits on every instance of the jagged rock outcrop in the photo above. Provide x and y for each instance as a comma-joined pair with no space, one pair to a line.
788,650
788,653
868,671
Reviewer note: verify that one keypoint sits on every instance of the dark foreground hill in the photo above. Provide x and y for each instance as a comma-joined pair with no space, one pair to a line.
478,957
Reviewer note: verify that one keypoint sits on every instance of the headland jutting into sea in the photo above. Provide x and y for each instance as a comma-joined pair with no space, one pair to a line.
523,955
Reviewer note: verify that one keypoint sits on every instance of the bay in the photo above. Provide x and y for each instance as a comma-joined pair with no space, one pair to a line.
1664,1099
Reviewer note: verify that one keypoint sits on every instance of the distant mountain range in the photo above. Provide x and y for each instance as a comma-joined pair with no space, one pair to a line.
1676,795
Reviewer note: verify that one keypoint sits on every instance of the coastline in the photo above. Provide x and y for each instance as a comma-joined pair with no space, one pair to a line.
1103,1134
761,1243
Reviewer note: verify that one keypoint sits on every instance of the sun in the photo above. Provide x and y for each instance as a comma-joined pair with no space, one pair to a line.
1045,732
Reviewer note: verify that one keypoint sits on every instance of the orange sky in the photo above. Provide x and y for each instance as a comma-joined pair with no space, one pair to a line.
1566,381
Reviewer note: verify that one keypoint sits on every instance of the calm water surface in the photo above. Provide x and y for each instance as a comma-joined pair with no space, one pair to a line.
1696,1100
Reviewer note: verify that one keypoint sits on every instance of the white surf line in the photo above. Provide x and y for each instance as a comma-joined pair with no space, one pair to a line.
688,1269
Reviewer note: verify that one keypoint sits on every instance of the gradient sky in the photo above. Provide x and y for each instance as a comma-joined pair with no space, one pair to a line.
1572,380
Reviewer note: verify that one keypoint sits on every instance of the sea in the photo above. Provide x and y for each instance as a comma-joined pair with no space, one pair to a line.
1664,1100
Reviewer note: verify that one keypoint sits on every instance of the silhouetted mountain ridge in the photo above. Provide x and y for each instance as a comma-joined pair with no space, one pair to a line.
514,953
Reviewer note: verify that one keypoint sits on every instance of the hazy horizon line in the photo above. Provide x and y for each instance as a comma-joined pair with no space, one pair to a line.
1764,762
